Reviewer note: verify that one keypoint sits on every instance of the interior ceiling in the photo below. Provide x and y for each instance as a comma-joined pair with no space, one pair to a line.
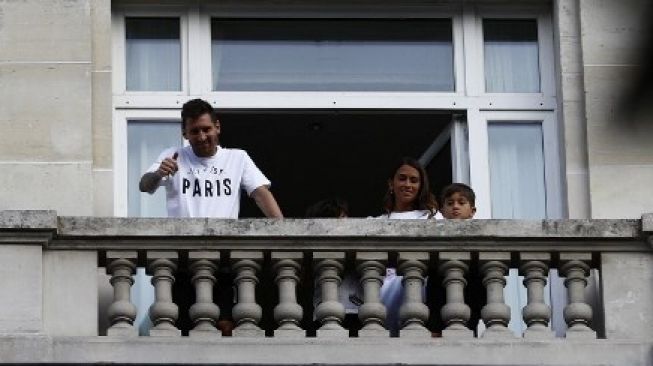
314,155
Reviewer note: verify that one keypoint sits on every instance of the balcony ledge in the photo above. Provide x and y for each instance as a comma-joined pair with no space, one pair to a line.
43,349
114,233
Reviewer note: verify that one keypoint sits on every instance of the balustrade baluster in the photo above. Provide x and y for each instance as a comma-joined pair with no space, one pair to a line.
122,313
371,267
163,312
288,313
413,313
535,268
204,312
495,314
455,313
247,313
578,314
330,312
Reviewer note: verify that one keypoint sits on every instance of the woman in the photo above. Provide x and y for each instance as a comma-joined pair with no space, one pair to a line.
408,197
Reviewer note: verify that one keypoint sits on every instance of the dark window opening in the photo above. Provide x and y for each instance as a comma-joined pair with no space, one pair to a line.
314,155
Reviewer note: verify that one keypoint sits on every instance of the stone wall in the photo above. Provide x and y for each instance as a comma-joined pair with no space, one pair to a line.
619,142
56,110
571,107
56,105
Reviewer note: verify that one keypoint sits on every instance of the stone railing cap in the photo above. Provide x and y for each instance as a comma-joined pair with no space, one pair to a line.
647,223
339,228
81,226
28,220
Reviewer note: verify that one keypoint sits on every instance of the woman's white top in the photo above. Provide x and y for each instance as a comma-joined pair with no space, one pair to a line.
408,215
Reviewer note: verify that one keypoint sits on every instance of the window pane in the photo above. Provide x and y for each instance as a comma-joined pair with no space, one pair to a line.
517,171
153,54
511,56
145,141
332,54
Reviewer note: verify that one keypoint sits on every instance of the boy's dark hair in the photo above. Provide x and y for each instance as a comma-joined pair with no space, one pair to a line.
332,207
195,108
462,188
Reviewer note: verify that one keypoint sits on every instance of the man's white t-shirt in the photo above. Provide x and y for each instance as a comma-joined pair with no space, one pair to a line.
209,187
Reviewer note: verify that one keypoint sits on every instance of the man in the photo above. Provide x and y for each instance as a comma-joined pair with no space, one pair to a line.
204,179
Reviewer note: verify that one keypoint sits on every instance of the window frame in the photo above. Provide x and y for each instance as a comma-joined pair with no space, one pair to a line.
121,119
479,157
469,96
119,56
335,99
546,52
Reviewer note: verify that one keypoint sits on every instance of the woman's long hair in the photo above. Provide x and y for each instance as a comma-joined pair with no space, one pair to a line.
425,200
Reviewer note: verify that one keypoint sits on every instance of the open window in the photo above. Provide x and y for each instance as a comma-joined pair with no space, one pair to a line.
325,98
309,155
313,155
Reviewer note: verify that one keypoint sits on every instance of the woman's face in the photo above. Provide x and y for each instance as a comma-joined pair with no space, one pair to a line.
405,187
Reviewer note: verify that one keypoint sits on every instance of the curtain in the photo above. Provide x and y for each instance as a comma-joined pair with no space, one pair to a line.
511,56
517,171
153,49
145,141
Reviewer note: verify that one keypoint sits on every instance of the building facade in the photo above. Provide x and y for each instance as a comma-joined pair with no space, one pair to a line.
557,73
540,105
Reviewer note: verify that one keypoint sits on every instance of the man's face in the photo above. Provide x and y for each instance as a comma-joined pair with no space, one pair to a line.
202,134
457,206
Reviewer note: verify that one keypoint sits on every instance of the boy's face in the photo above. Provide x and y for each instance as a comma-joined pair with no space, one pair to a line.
457,206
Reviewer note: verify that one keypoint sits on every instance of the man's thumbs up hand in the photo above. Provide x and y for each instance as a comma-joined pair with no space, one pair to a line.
168,166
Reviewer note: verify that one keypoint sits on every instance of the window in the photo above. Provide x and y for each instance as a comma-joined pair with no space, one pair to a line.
519,153
146,139
332,54
511,56
479,78
153,51
516,170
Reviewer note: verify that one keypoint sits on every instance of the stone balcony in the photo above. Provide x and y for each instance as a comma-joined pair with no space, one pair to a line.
65,284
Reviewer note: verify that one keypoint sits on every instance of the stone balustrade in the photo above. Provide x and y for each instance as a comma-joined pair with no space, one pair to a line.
328,267
285,278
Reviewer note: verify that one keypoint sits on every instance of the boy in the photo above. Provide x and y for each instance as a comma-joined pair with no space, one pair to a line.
458,201
329,208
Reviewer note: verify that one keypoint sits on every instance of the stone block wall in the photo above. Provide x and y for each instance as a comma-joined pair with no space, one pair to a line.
56,105
56,110
618,141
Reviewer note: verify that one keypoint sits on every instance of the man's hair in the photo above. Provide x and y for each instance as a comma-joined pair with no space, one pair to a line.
332,207
464,190
194,109
424,200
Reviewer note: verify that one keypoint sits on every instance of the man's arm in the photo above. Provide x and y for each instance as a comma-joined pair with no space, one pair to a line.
266,202
150,180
